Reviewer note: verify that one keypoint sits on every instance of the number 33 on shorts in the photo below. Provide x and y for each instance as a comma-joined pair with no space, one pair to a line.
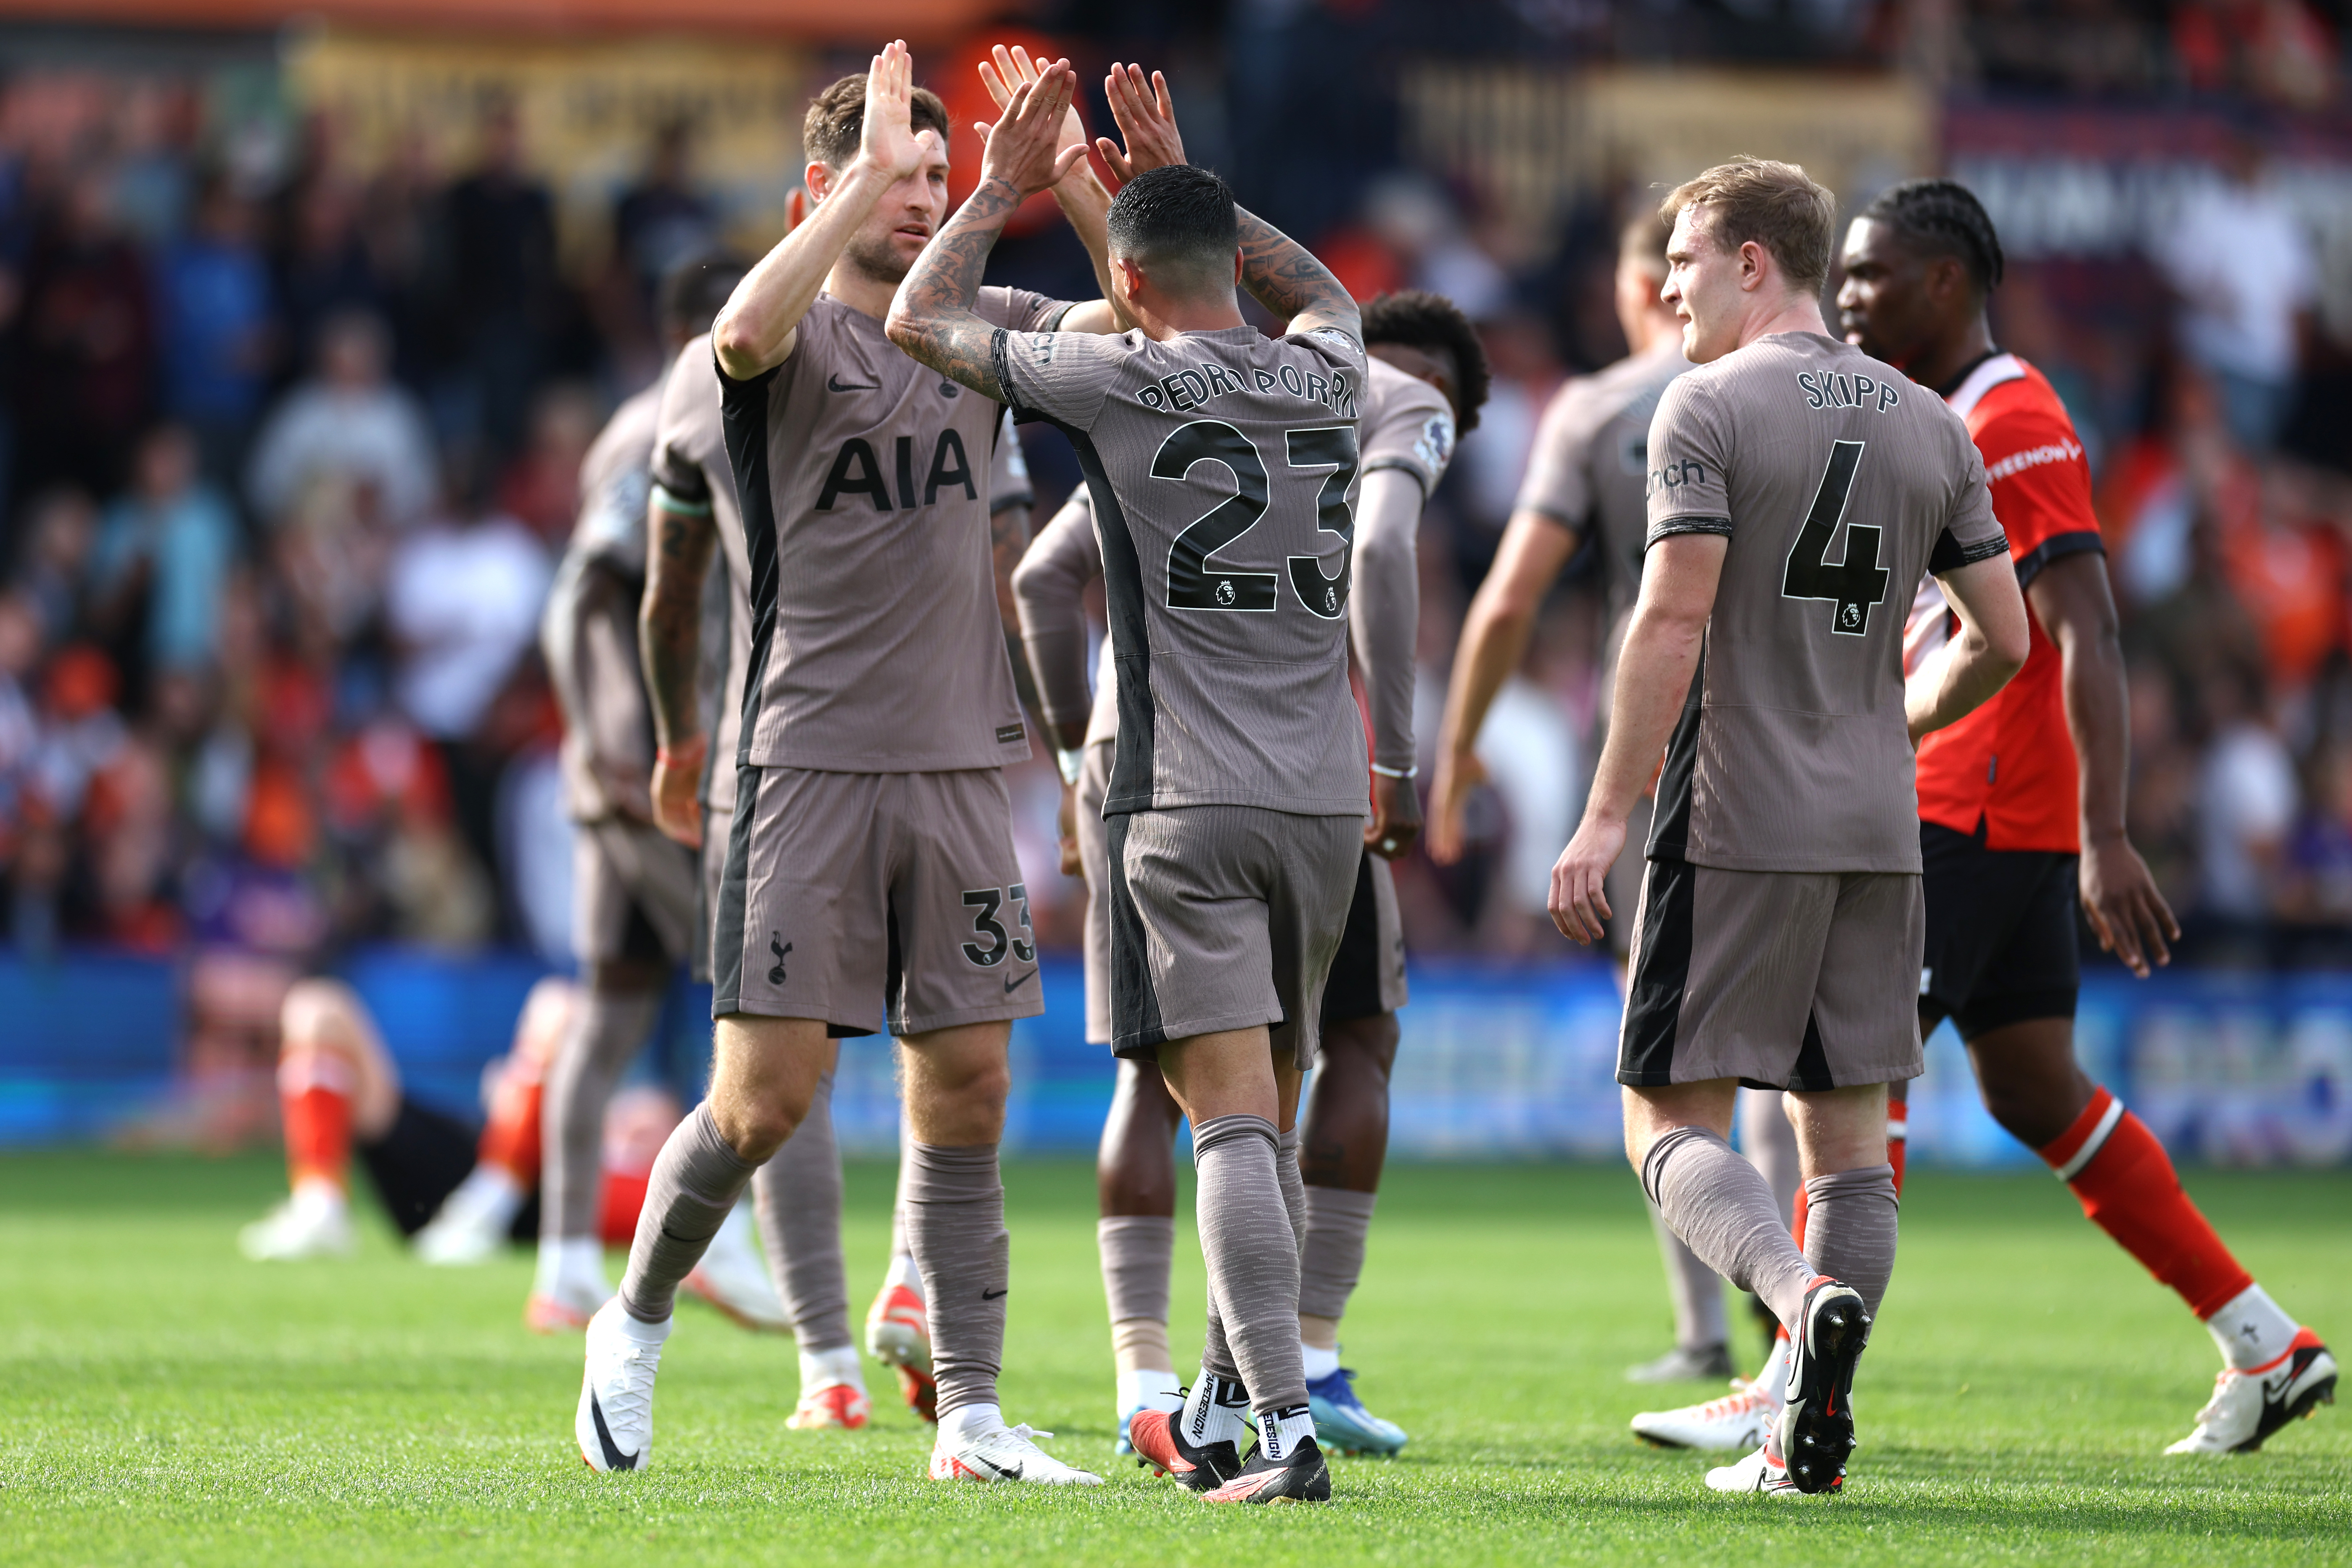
991,941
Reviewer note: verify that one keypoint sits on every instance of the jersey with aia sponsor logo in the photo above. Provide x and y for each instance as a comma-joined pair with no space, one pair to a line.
1223,467
2010,763
1839,485
876,645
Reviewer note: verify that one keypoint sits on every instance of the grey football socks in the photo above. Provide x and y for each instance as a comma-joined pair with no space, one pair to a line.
693,1188
1850,1221
1332,1258
798,1196
1717,1203
1136,1252
1771,1145
608,1030
1251,1245
954,1200
1695,1290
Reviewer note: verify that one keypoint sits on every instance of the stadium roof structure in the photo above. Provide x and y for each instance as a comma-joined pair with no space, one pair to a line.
816,20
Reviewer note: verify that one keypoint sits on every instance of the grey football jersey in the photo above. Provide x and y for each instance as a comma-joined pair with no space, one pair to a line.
1839,484
690,467
876,645
1223,467
1590,465
588,631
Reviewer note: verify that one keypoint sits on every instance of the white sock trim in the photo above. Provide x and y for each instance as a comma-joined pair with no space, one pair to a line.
969,1421
2251,1329
2094,1143
836,1368
1321,1364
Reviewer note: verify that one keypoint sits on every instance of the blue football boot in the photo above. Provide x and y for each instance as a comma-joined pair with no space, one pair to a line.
1342,1423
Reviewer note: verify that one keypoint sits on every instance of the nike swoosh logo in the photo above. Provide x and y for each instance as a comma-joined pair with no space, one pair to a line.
1011,1475
613,1459
992,1295
1013,985
835,383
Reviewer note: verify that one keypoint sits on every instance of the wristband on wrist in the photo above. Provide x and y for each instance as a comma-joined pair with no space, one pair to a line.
1069,762
686,755
1412,773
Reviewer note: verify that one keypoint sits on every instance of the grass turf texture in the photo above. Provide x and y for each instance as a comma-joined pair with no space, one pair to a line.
166,1401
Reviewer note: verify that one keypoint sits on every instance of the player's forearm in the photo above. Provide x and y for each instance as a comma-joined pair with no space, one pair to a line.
754,333
1284,276
670,621
1654,671
1384,609
1963,680
2092,681
1493,640
1085,204
931,318
560,640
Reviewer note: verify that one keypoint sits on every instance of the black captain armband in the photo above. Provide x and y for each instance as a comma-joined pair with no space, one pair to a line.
1950,555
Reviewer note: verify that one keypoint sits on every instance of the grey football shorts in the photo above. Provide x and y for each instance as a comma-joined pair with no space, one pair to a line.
1782,980
1224,917
633,894
874,901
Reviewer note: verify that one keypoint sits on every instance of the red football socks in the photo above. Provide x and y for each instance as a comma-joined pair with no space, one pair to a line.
511,1142
2129,1188
314,1103
1898,1141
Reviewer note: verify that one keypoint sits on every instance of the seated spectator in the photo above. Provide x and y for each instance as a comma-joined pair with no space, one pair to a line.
349,422
169,541
58,529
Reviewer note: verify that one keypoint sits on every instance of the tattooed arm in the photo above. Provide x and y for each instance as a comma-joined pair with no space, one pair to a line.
1283,276
931,318
669,644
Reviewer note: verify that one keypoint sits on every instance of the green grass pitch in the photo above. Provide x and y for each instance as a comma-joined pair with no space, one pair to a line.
162,1401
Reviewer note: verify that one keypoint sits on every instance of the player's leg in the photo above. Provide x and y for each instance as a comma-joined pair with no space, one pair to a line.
2273,1369
1224,920
336,1084
1344,1140
798,1195
963,966
898,1324
1135,1185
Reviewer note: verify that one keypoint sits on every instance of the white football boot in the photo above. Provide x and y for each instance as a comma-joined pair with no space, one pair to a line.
1759,1472
315,1221
996,1452
2247,1407
615,1420
473,1221
1738,1420
733,1278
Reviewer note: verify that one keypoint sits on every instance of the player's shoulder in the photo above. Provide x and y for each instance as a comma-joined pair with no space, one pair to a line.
1391,394
2010,407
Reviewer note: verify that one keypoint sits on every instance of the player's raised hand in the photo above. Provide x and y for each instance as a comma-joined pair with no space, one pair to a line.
886,139
1026,148
1146,117
1008,68
1449,799
1579,906
2127,912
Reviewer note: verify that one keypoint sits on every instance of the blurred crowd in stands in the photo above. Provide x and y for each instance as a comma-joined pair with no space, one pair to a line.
287,454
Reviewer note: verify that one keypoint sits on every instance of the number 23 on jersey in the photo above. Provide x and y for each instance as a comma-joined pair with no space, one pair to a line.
1196,581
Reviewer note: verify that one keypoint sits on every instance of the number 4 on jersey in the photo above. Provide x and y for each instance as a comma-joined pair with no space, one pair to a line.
1854,585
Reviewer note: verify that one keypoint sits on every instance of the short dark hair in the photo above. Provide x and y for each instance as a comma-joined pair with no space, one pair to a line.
836,117
1177,215
1642,242
1945,218
694,290
1777,204
1417,319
